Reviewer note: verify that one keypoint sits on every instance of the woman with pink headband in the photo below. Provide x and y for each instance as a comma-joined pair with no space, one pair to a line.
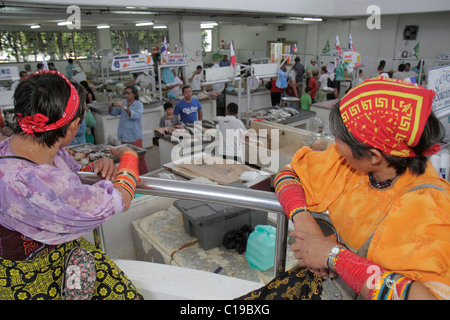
45,210
389,208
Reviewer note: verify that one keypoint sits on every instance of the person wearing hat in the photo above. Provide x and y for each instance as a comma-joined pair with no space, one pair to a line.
310,68
387,204
79,74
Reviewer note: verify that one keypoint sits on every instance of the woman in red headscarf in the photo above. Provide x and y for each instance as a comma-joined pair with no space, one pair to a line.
389,208
45,209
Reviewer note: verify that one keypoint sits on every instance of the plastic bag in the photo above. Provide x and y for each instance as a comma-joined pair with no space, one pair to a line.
261,247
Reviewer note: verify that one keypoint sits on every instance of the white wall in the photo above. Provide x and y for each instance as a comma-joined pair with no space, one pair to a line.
373,44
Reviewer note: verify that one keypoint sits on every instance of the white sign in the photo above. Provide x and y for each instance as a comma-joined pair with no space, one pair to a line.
439,82
131,62
173,58
9,73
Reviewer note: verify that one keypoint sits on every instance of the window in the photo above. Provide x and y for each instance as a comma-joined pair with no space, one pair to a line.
207,40
145,41
30,46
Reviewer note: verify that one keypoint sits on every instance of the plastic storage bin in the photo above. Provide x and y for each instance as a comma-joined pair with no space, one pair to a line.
209,222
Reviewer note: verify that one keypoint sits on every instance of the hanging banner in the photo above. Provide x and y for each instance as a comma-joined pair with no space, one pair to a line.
174,58
9,73
131,62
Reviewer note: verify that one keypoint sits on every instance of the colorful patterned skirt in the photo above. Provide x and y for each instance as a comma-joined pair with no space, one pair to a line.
296,284
40,278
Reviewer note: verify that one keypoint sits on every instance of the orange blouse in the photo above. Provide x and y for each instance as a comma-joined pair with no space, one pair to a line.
414,237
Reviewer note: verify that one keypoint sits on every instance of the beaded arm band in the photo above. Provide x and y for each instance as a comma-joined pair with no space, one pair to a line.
128,175
88,168
357,271
290,193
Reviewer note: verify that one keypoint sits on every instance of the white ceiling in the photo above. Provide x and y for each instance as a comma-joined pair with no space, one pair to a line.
19,15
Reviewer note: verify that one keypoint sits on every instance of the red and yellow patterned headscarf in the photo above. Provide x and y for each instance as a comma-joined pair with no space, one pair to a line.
387,114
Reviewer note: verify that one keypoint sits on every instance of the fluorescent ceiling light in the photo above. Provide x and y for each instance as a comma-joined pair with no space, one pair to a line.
36,26
133,12
141,24
103,27
312,19
64,23
159,27
208,25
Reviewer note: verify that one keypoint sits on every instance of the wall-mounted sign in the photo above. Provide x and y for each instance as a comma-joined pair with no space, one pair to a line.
131,61
173,58
9,73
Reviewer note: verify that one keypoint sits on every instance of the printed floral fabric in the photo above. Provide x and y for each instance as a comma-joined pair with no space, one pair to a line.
413,239
49,204
41,278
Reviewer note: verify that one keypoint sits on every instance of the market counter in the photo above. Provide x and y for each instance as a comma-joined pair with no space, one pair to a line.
259,99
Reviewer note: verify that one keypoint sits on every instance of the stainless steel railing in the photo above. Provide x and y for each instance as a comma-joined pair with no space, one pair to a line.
239,197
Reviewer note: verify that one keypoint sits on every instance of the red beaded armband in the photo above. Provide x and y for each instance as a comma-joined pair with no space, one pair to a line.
357,271
88,168
128,175
290,193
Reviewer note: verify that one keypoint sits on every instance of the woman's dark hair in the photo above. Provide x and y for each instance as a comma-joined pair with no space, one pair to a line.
134,90
432,133
88,90
47,94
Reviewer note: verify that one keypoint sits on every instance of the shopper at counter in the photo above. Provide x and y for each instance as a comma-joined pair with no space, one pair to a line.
299,71
168,119
129,130
306,100
45,209
313,85
175,86
69,68
189,109
386,201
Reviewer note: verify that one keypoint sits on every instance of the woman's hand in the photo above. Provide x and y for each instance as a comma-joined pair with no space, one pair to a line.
106,168
311,247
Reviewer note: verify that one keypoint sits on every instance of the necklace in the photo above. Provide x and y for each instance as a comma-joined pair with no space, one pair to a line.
380,184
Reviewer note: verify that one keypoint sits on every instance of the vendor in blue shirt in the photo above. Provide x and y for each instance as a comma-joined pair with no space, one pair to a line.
189,108
130,126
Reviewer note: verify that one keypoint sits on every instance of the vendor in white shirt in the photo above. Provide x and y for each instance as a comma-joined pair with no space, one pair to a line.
196,79
143,80
232,135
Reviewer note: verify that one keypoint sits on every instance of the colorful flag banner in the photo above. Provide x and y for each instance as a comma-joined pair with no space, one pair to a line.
164,52
350,44
327,47
416,50
338,45
232,54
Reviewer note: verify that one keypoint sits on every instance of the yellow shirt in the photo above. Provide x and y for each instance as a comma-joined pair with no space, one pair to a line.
414,237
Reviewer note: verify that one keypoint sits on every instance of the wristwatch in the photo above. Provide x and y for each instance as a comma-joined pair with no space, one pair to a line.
333,253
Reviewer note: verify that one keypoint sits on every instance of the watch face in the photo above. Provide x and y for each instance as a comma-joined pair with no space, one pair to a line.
335,250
